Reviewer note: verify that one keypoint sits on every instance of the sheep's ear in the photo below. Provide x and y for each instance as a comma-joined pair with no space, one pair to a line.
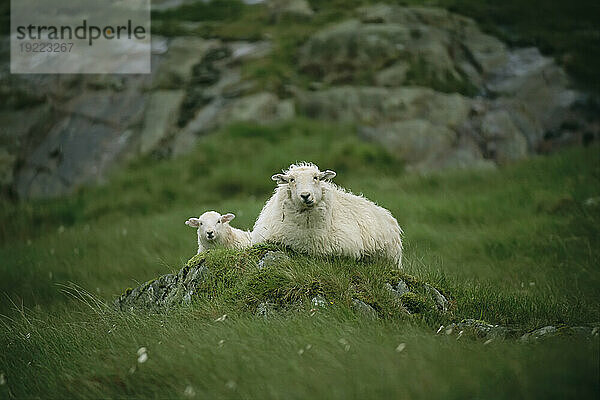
280,178
327,175
193,222
227,217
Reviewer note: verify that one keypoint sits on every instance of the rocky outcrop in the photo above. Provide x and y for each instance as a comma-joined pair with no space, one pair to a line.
167,291
61,132
511,100
293,9
489,332
425,83
172,290
408,296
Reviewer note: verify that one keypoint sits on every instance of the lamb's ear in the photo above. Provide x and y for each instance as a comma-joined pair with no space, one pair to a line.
327,175
193,222
227,217
280,178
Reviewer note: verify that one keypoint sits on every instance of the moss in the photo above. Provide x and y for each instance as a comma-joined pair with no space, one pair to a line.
420,73
415,303
196,260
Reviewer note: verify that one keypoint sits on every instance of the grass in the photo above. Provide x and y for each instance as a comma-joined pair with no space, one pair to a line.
513,246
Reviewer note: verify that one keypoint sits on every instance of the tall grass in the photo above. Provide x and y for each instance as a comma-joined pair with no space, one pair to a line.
512,246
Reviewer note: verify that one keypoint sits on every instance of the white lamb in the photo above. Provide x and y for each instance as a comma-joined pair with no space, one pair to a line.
313,215
214,230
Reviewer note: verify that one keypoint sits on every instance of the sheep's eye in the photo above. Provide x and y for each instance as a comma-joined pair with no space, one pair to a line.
218,222
315,178
292,179
200,223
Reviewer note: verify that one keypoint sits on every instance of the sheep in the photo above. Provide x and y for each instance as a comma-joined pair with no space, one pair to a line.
214,230
310,214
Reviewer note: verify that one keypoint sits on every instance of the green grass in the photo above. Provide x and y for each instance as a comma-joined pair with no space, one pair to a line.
514,246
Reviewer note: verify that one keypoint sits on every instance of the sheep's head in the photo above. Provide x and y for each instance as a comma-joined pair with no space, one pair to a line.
304,182
211,225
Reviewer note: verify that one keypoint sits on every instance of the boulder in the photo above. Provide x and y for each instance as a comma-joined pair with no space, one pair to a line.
538,83
295,9
76,151
373,105
160,117
175,69
503,140
416,141
258,107
364,309
432,46
166,291
7,164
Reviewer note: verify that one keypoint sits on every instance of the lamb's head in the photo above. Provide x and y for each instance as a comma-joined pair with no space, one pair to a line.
211,225
304,183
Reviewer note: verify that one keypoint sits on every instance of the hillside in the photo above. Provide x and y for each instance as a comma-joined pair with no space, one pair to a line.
476,123
517,246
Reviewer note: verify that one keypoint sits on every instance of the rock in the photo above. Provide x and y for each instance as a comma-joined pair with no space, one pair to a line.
260,107
503,140
318,301
364,309
401,287
397,290
340,52
435,48
76,151
416,141
550,331
374,105
115,109
464,153
538,83
592,202
81,147
280,9
483,330
541,333
166,291
272,259
440,301
7,163
20,127
246,51
204,121
394,75
183,53
264,309
160,117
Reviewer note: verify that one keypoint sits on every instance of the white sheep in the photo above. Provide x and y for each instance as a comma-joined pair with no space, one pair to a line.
214,230
309,213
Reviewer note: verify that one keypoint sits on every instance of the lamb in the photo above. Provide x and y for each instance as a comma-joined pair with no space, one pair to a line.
214,230
310,214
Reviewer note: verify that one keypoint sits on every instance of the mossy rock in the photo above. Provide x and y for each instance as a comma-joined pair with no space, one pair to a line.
273,274
415,303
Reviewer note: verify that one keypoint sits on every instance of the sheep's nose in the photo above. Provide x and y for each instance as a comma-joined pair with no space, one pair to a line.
305,196
209,234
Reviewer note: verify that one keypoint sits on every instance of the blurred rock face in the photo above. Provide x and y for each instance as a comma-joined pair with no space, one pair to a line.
425,83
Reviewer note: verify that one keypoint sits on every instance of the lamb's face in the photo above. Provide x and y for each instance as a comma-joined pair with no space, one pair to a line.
210,225
305,184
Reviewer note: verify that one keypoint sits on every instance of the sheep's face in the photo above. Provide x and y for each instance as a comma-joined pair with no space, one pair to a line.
305,183
211,225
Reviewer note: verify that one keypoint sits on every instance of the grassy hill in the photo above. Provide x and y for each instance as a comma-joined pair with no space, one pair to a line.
515,246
